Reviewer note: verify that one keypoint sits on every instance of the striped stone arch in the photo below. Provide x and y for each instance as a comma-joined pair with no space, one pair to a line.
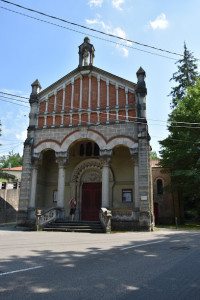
124,141
53,145
83,134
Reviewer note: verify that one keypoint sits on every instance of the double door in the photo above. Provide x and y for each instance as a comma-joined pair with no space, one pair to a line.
91,201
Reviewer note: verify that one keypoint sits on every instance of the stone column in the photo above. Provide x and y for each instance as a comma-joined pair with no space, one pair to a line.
126,92
134,156
72,96
98,97
55,100
117,101
61,159
63,101
89,94
106,158
36,162
81,87
107,101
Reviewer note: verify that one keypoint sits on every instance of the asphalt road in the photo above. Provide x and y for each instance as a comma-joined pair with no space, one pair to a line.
45,265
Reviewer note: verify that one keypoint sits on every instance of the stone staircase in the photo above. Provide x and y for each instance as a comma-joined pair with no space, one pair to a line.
76,226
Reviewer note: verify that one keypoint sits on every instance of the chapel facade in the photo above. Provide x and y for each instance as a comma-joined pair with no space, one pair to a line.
88,138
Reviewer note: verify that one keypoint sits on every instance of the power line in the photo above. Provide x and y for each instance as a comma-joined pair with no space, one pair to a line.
14,99
88,28
83,33
85,111
13,103
13,95
11,149
188,141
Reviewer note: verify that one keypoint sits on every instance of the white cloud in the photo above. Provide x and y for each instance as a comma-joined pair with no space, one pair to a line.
99,22
117,3
115,31
160,22
22,136
95,3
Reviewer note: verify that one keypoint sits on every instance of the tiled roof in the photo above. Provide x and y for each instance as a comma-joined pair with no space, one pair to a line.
12,169
154,163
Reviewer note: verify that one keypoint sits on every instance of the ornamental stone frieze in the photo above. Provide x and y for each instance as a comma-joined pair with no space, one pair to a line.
91,164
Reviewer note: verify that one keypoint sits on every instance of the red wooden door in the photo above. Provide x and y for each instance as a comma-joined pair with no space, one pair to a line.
91,201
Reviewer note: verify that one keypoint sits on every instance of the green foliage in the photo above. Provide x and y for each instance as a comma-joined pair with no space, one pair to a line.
0,130
14,158
154,155
180,151
184,77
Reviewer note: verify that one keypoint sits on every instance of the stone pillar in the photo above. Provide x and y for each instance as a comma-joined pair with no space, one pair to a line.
61,159
63,101
117,101
55,100
134,156
36,162
126,93
81,87
107,101
117,116
98,97
105,156
25,190
145,196
89,94
72,96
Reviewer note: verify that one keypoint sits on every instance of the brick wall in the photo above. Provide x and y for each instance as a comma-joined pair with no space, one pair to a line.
85,102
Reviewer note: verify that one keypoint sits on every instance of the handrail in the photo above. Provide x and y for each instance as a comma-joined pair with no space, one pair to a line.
105,219
46,216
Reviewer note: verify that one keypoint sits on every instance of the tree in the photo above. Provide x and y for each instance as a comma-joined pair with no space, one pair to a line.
180,151
154,155
0,130
185,76
14,159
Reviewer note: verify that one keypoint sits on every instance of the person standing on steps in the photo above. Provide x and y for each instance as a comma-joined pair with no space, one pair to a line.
73,204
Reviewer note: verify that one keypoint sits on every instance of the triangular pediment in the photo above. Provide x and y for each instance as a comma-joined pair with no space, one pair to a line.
86,71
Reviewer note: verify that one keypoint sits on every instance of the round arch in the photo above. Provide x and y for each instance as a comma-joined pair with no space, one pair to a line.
80,135
122,141
47,145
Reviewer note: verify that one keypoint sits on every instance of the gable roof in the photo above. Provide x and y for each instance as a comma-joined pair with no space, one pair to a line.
84,71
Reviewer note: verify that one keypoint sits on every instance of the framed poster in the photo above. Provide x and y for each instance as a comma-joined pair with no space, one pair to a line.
127,195
55,196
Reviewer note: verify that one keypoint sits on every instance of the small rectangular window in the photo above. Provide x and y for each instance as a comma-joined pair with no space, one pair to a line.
127,195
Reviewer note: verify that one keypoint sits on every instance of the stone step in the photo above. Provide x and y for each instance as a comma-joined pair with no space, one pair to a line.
76,226
73,226
67,229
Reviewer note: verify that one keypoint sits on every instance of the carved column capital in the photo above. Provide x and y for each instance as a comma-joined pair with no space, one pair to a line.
62,158
134,154
36,160
105,156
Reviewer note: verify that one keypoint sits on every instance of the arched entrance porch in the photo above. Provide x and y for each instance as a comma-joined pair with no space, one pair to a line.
86,185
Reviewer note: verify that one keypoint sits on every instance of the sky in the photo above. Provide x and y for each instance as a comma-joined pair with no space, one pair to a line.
33,49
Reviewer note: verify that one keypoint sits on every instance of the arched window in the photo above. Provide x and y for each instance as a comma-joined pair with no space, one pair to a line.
96,150
81,149
159,187
89,149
